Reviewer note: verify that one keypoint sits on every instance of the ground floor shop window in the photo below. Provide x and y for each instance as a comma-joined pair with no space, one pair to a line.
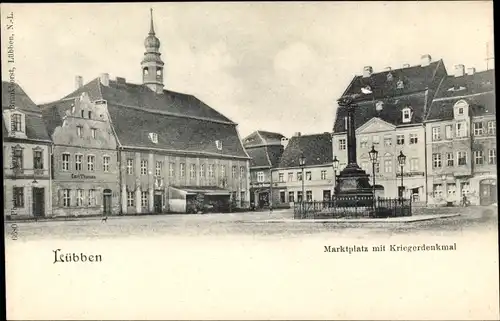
415,196
92,198
309,196
452,190
130,198
464,187
66,197
299,196
437,190
144,199
291,198
79,197
18,197
282,197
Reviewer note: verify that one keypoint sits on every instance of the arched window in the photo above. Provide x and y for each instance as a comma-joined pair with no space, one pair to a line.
145,71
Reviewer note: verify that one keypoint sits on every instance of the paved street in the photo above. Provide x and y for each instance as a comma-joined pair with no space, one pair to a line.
252,223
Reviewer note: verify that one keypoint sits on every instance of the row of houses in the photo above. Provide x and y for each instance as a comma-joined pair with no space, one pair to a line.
444,123
114,147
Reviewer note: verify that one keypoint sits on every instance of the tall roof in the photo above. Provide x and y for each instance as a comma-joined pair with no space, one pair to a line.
261,137
478,90
13,94
316,148
265,156
182,122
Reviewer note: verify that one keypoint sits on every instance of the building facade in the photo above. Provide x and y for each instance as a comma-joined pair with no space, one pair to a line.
84,157
390,117
26,156
461,144
317,173
265,150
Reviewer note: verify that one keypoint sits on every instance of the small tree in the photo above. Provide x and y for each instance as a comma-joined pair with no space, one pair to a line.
199,202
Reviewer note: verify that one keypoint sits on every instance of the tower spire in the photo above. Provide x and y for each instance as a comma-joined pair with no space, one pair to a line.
152,29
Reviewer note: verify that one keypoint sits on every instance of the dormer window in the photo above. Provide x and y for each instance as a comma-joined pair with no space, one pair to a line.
16,123
400,84
379,105
389,77
153,137
461,109
79,131
406,114
146,71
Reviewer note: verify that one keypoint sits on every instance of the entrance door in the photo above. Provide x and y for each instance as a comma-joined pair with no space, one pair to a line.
157,203
488,190
106,201
38,205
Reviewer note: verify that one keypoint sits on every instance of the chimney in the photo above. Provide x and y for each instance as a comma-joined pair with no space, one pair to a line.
425,60
78,82
104,77
297,134
459,70
406,65
387,69
471,71
284,142
367,71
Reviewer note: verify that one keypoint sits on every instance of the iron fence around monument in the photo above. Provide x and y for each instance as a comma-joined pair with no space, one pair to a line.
354,207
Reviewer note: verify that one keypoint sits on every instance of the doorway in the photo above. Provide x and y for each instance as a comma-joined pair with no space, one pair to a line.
38,205
488,192
106,201
157,203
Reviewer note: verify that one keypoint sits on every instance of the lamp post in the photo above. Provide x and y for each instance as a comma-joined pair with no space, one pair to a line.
302,164
373,157
335,164
401,161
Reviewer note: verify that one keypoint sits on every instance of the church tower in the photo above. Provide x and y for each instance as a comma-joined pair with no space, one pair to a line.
152,65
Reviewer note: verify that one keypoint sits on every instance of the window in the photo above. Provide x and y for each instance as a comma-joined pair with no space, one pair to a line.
309,196
436,133
90,163
37,159
242,172
406,115
79,130
299,196
308,176
223,171
449,159
260,177
159,165
144,166
83,113
478,129
182,169
15,124
492,156
388,166
363,143
414,164
342,144
210,170
171,169
90,114
93,132
92,199
66,198
400,139
460,110
323,175
233,172
464,187
130,198
291,197
460,130
105,163
192,171
436,160
377,168
144,199
202,170
299,176
130,166
387,140
462,158
290,177
437,190
17,157
281,177
448,132
282,197
78,162
413,139
400,84
376,139
452,189
79,197
18,197
492,127
478,157
153,137
65,162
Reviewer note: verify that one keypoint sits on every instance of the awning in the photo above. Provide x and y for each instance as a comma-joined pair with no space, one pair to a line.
204,190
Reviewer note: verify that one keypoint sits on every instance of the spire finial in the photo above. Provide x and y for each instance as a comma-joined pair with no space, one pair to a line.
152,29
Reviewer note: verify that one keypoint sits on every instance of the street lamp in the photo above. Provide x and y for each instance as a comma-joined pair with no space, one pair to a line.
302,164
335,165
401,161
373,157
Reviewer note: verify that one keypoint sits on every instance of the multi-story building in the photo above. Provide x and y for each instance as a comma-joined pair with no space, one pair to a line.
389,116
461,139
26,160
318,170
172,149
84,156
265,149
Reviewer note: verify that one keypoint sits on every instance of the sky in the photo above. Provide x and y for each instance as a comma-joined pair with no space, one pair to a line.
267,66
